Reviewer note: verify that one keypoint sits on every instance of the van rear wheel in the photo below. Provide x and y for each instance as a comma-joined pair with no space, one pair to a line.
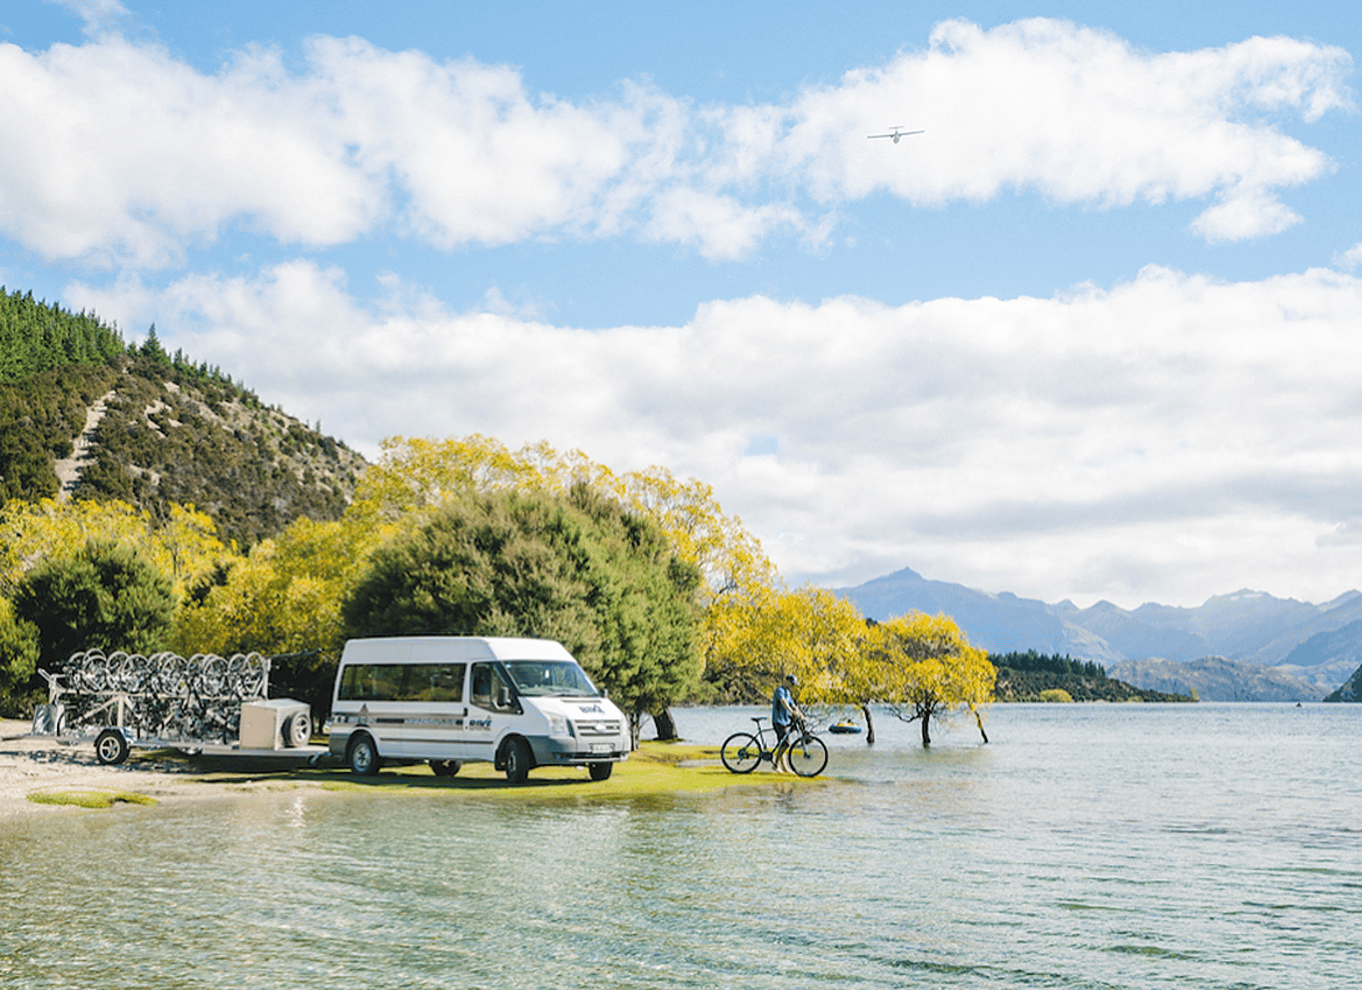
600,771
518,760
363,757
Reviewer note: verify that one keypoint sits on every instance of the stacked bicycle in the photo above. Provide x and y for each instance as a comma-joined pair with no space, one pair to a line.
163,695
807,755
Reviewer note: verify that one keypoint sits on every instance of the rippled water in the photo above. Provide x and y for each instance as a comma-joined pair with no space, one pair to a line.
1085,846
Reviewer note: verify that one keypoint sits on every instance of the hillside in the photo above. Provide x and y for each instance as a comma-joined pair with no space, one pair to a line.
1024,676
1216,679
1351,689
142,426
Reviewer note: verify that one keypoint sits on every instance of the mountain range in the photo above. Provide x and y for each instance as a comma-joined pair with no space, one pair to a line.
1248,645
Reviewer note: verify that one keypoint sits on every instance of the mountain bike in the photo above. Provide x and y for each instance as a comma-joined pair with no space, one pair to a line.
743,752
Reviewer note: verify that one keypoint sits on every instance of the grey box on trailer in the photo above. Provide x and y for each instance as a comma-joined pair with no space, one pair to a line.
276,723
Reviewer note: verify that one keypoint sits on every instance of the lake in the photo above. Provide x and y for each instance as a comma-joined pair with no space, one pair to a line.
1106,846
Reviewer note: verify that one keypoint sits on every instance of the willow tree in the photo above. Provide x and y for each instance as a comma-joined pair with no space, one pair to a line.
811,632
184,547
922,668
414,477
283,599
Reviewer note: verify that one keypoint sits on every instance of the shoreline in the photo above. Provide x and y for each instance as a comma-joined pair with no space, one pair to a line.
31,765
39,765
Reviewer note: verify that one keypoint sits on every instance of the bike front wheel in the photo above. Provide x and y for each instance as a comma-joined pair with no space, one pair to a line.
807,756
741,753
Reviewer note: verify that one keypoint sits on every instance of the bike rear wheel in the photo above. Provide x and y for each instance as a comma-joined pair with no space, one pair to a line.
741,753
807,756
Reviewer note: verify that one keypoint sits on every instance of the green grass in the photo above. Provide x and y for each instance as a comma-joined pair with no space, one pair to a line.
655,769
90,798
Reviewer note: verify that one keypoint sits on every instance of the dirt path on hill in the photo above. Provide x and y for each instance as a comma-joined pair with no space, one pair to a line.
69,468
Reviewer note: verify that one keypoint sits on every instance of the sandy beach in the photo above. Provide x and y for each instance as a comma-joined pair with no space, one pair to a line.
30,765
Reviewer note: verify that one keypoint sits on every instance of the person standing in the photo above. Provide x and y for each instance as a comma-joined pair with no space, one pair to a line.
784,713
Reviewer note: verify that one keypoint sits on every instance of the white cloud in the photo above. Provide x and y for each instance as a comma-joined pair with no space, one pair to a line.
1076,114
1351,258
119,152
99,16
1166,438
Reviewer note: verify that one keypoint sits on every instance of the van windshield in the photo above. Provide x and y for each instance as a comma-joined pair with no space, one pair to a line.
550,677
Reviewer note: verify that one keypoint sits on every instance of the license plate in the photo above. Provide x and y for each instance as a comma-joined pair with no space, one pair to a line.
600,747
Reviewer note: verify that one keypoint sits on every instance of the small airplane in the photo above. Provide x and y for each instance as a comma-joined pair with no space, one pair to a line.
895,133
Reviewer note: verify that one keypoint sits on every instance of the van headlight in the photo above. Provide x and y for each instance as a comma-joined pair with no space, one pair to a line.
559,726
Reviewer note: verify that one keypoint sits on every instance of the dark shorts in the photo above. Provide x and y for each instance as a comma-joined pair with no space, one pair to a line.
782,731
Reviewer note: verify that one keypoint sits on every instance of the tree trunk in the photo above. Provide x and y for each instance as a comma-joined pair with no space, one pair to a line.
979,721
869,726
666,725
926,735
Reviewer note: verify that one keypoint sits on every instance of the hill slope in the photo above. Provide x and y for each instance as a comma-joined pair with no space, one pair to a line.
1216,679
157,429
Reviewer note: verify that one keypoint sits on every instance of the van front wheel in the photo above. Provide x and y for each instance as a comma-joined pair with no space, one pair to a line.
364,760
518,760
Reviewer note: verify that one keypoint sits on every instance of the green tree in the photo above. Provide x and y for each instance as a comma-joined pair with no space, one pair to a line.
18,660
106,596
579,569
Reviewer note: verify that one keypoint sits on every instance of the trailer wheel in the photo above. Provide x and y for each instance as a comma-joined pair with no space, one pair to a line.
445,768
600,770
298,730
111,747
518,760
363,756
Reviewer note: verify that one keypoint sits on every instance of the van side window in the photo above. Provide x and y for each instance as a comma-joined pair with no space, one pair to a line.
371,682
490,689
403,682
434,682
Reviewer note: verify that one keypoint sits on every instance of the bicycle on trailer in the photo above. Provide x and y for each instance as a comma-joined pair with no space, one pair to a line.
743,752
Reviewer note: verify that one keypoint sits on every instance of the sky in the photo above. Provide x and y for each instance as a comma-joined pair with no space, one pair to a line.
1095,333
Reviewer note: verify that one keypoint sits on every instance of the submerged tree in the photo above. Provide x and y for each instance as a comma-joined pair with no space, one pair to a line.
923,668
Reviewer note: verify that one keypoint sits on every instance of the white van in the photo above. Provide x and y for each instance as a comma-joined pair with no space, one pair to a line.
449,700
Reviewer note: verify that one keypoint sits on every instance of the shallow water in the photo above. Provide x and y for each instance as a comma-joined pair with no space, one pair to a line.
1085,846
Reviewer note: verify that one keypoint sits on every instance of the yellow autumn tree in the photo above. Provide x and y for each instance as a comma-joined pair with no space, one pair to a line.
283,599
285,595
922,668
185,547
810,632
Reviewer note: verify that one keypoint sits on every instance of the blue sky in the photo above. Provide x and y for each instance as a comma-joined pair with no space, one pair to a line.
1093,335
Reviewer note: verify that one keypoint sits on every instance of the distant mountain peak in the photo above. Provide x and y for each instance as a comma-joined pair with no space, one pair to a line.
1247,625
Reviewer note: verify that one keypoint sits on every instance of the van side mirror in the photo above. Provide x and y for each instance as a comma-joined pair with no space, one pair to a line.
503,697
